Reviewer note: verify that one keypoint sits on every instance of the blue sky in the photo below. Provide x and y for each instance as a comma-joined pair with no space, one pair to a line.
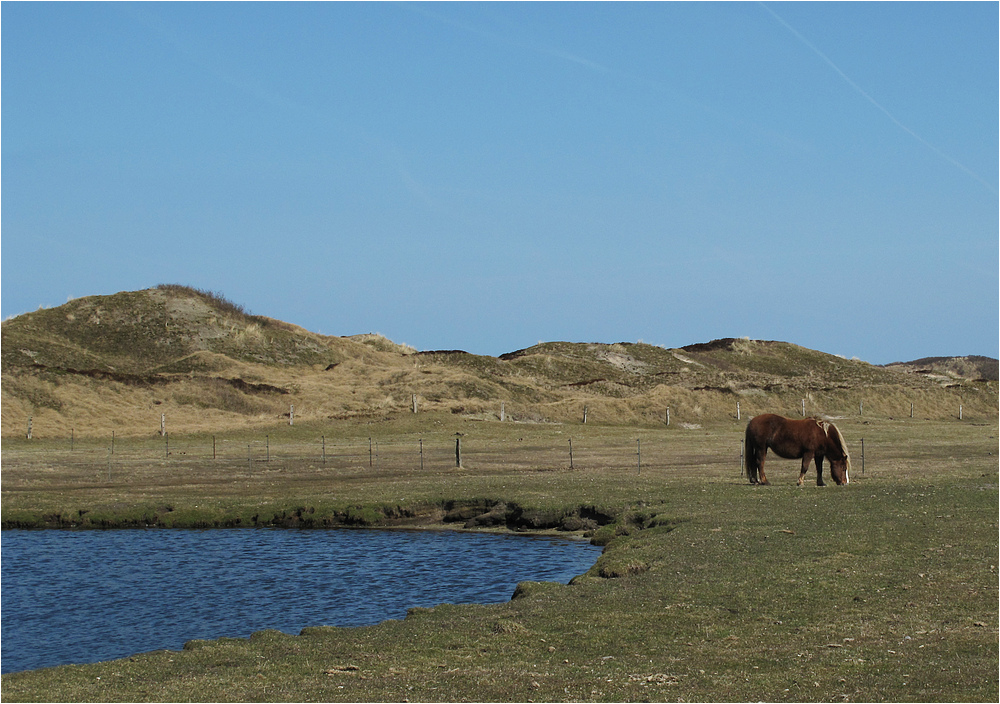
488,176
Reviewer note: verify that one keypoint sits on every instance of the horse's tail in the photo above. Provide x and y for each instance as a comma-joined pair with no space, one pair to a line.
750,450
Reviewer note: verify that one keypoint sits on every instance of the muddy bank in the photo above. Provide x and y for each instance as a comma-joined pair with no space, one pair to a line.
470,515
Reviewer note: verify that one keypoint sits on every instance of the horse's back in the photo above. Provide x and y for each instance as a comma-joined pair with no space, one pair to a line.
764,426
788,437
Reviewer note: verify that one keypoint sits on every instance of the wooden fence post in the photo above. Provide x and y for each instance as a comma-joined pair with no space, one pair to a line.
291,414
737,410
29,427
503,412
458,452
668,415
638,454
571,453
584,415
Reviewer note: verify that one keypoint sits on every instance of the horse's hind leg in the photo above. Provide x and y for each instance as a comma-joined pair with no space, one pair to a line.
752,462
760,467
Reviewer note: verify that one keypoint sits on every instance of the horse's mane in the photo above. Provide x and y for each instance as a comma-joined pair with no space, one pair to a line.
838,439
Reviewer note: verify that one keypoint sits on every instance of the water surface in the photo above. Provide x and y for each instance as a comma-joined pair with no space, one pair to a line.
88,596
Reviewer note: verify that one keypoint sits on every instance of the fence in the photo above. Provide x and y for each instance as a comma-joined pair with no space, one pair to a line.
176,459
137,460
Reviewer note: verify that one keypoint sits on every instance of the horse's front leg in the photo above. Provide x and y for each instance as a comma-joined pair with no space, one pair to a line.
819,471
806,459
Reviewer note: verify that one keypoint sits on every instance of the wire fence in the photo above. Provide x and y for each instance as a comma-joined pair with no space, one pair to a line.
173,460
132,459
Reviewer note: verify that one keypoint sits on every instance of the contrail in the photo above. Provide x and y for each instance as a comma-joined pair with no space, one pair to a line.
874,102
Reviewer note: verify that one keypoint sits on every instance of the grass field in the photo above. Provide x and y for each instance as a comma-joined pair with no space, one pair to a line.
708,590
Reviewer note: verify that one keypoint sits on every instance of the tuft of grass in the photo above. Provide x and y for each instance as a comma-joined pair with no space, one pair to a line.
216,300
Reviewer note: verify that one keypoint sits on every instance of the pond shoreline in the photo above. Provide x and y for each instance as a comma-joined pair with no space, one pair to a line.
581,522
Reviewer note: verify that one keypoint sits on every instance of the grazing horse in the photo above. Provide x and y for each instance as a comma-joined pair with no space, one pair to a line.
808,438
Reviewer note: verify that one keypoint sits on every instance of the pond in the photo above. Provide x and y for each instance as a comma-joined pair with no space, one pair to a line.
88,596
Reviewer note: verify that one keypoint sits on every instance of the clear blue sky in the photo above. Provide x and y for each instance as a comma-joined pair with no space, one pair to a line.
487,176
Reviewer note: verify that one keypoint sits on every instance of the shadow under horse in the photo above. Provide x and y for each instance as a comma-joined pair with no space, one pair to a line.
811,439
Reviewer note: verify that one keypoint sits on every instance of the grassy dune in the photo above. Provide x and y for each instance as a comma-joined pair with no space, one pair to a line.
708,590
119,363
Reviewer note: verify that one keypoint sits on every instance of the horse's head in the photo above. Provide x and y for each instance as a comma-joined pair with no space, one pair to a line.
840,469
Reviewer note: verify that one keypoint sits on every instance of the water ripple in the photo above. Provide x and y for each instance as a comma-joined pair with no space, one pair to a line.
76,597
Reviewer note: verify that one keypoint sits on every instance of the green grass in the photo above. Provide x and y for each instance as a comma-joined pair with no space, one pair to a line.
708,590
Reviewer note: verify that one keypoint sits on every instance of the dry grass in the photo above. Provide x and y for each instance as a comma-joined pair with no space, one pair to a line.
116,363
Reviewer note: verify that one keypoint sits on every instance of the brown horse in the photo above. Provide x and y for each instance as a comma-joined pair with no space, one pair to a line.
809,439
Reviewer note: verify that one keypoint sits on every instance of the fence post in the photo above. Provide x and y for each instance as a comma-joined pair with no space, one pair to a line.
458,452
291,414
668,415
72,432
213,447
742,456
638,453
584,415
29,427
911,410
571,453
413,398
803,408
861,408
421,454
267,446
502,411
737,410
324,449
960,411
371,457
163,424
